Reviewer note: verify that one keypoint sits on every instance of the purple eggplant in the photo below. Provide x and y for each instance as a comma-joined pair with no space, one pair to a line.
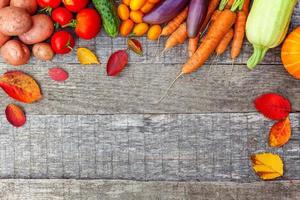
196,16
165,11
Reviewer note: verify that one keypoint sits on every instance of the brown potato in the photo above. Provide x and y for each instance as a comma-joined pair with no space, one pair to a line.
3,39
4,3
41,30
43,51
14,21
29,5
15,53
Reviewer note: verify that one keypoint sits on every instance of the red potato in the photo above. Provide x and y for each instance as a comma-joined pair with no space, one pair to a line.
41,30
29,5
4,3
14,21
43,51
3,39
15,53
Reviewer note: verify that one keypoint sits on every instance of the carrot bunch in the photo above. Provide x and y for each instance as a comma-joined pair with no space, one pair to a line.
225,23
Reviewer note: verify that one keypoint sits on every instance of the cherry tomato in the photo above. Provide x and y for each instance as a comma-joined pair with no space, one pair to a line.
62,16
76,5
88,23
49,3
62,42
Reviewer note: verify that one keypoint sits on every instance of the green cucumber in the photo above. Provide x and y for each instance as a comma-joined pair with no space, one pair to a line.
109,16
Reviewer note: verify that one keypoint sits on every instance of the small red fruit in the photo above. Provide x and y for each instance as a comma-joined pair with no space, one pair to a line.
62,16
87,24
62,42
49,3
75,5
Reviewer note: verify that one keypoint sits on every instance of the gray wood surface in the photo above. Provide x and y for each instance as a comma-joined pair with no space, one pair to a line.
129,190
203,147
90,91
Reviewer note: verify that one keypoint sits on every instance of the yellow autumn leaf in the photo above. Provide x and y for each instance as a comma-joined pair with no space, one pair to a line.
86,56
267,166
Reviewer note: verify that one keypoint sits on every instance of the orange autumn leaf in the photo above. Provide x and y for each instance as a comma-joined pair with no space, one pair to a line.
15,115
20,86
280,133
267,166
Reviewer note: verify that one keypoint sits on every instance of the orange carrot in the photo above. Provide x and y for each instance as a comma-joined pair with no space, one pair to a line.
213,5
193,45
239,30
229,4
175,23
215,15
246,6
221,48
212,20
177,37
214,36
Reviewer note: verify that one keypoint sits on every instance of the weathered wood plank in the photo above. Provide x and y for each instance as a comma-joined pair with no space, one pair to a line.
219,89
204,147
128,190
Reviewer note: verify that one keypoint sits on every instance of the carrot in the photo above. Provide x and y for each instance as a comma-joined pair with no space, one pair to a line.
213,5
175,23
246,6
221,48
193,45
214,36
239,30
193,42
215,15
229,4
212,20
177,37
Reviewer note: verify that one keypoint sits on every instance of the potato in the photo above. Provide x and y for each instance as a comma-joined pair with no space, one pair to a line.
15,53
3,39
41,30
29,5
14,21
4,3
43,51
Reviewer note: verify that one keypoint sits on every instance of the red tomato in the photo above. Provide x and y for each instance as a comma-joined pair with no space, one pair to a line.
62,16
76,5
88,23
62,42
49,3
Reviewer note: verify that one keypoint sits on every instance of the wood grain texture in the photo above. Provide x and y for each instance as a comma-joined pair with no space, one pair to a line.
202,147
128,190
90,91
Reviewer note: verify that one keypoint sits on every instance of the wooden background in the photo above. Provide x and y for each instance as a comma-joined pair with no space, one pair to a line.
111,129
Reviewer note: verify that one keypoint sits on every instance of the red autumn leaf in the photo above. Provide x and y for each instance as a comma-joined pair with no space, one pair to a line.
58,74
273,106
117,62
280,133
20,86
135,46
15,115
